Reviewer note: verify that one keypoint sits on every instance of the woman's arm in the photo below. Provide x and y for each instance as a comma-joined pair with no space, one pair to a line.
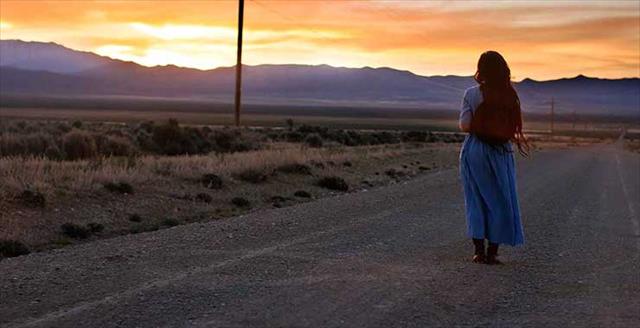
465,127
466,113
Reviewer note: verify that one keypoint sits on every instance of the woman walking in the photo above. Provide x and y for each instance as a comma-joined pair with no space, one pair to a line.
492,116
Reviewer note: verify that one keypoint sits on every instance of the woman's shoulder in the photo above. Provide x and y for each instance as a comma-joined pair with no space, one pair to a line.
473,94
474,90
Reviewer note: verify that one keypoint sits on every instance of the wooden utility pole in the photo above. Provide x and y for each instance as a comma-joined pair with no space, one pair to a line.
552,113
239,62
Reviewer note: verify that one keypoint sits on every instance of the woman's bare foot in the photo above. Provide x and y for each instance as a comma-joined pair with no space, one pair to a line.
479,256
492,253
479,259
492,260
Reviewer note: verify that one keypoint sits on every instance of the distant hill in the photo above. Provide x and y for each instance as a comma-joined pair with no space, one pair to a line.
50,69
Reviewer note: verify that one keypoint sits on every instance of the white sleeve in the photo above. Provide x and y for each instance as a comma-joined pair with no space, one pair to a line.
466,112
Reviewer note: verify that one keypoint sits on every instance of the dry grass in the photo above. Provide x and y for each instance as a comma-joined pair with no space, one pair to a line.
632,145
561,142
52,177
167,187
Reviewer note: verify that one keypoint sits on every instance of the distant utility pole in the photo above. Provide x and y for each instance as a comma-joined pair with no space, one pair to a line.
239,62
552,113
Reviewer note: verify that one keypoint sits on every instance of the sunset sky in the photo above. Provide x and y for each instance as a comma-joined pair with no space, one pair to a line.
540,39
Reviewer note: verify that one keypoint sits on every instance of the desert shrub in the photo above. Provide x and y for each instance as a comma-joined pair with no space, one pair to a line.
63,127
11,145
198,140
147,126
144,140
204,197
114,146
79,145
119,187
77,124
167,137
415,136
212,181
295,168
240,202
171,139
347,138
95,227
21,125
135,218
368,139
386,137
141,227
170,222
347,164
30,144
350,138
53,152
424,168
456,137
393,173
294,136
278,199
313,140
367,183
302,194
229,141
275,136
36,143
225,140
333,183
12,248
63,241
308,129
75,231
32,198
252,175
317,164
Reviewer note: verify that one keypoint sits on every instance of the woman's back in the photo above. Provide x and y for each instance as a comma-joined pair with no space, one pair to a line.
487,171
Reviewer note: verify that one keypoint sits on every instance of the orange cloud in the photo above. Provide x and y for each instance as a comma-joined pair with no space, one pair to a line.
540,39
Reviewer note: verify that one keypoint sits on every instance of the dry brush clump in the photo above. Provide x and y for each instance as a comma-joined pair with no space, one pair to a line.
333,183
12,248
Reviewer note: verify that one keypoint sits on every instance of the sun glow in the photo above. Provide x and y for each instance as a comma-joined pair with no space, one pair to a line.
5,25
184,32
185,55
541,40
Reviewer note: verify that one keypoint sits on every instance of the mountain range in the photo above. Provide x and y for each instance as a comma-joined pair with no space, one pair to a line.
49,69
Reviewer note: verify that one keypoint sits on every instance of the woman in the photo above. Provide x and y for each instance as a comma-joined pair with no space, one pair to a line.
487,164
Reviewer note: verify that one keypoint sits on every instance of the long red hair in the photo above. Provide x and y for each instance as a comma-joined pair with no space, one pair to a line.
494,77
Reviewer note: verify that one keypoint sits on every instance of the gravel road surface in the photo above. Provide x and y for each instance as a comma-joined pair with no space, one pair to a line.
395,256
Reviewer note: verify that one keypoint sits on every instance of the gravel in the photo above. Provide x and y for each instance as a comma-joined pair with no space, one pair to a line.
395,256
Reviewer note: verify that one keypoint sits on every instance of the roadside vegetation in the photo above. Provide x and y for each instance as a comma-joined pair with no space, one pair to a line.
68,182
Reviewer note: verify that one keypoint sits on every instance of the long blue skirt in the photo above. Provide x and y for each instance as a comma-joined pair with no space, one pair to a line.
491,199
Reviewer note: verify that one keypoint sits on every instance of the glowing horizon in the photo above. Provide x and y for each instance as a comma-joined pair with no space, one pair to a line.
540,39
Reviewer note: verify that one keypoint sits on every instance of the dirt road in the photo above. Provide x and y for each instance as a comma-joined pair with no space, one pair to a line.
391,257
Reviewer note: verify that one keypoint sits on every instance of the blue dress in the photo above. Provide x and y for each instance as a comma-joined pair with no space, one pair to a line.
489,181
